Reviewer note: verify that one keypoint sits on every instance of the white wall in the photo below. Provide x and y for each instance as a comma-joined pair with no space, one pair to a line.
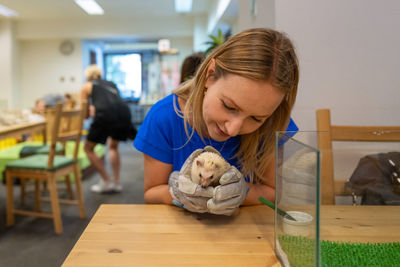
200,35
349,62
261,15
43,67
349,58
184,46
9,52
348,54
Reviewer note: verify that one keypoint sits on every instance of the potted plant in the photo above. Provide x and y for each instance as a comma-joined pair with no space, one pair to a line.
214,42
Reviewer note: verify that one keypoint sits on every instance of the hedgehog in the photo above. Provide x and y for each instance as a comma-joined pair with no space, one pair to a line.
207,169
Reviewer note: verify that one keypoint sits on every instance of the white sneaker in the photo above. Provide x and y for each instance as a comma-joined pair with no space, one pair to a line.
117,186
102,187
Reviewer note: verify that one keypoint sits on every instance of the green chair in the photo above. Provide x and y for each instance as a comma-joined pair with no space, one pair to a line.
30,150
48,168
27,151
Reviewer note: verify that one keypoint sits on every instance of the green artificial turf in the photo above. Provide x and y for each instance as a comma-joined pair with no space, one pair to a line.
301,253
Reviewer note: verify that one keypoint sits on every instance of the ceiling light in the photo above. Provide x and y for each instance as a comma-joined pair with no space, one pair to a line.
183,6
90,7
5,11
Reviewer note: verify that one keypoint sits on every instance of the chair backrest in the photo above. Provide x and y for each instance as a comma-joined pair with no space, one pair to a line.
327,133
49,114
66,126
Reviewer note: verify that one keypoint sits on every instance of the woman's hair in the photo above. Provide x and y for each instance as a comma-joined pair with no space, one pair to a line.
258,54
92,72
190,65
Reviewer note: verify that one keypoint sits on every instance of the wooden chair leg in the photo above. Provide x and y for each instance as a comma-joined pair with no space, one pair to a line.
55,205
37,195
78,182
69,188
10,199
22,197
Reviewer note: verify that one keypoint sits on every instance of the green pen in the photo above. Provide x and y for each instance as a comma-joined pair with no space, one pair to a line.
272,206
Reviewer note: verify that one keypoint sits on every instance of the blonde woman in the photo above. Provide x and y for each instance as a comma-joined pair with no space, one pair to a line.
242,93
111,123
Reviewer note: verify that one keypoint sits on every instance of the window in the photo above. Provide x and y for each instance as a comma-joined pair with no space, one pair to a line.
125,70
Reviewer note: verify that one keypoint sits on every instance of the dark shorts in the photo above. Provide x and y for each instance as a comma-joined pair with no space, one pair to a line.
100,130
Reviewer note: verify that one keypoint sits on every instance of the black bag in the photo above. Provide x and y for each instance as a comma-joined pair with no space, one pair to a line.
377,179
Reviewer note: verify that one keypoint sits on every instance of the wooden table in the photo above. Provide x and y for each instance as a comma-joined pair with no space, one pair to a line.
360,223
162,235
23,128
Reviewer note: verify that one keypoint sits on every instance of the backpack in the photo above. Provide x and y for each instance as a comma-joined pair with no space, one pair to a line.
377,179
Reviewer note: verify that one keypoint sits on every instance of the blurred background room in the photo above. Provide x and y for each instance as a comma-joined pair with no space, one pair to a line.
349,62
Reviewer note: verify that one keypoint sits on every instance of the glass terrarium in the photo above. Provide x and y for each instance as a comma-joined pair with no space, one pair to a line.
353,224
297,201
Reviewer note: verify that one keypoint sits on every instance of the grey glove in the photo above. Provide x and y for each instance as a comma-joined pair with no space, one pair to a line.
187,194
196,200
223,199
230,194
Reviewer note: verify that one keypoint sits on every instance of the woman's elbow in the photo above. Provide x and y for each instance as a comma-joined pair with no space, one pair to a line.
157,195
148,199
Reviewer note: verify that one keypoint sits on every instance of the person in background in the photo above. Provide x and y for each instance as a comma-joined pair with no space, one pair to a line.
48,101
111,123
242,93
51,100
190,65
70,102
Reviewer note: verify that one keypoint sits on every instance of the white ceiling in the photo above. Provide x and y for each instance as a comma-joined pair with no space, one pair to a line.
40,10
138,19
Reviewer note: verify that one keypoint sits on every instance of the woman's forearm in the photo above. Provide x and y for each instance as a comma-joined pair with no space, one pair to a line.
257,190
158,195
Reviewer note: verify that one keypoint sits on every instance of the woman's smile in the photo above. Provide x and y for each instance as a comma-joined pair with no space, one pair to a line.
221,132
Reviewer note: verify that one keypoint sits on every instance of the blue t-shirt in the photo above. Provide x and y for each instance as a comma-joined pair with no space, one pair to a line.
162,136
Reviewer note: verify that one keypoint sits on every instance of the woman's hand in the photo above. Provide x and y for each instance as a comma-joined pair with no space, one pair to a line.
187,194
230,194
223,199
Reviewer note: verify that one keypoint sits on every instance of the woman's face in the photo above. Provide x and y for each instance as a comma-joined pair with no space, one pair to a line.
234,105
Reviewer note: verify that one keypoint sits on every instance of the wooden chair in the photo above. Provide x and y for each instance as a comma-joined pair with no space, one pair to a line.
327,133
49,167
50,116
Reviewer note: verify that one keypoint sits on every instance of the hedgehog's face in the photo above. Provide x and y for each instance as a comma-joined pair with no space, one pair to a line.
206,178
207,174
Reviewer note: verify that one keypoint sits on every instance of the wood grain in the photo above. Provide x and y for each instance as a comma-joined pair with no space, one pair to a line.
360,223
162,235
24,128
